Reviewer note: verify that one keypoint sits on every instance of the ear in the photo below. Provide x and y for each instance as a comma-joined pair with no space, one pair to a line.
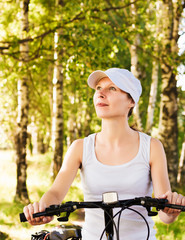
132,103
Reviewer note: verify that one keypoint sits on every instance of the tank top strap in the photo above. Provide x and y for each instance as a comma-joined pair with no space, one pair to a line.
88,148
145,141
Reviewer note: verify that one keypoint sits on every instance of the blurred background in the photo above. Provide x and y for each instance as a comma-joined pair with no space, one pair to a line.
48,48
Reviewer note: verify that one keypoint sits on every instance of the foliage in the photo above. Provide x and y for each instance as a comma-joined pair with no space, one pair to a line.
4,236
95,35
173,231
39,167
38,182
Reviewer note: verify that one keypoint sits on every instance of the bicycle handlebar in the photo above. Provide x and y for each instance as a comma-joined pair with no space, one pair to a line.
69,207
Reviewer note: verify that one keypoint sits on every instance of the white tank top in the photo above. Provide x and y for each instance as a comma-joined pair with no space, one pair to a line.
129,180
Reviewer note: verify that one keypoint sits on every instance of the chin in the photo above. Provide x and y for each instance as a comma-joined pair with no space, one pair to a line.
110,116
105,115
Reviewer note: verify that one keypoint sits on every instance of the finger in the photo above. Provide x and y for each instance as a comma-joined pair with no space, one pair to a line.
179,199
183,201
169,197
40,220
36,210
174,197
30,219
42,207
26,213
46,219
30,211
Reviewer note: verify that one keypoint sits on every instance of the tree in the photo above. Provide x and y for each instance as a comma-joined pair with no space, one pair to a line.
135,63
23,103
181,171
155,71
90,35
57,123
168,125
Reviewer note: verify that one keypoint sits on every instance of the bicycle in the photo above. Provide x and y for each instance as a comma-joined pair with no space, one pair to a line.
110,201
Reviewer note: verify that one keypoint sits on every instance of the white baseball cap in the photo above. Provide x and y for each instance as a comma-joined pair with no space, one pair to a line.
122,78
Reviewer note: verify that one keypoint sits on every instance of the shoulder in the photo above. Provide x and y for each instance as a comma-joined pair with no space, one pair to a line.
156,150
77,147
74,152
156,144
78,143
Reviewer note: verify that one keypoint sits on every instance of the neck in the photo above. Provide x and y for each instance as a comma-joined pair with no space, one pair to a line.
115,130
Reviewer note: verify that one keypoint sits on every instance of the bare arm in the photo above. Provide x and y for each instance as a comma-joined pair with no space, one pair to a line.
61,185
161,184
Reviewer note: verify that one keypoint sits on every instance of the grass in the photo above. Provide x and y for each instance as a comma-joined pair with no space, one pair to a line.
171,231
38,181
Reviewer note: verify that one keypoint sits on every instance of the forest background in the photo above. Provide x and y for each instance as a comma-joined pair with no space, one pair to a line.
47,51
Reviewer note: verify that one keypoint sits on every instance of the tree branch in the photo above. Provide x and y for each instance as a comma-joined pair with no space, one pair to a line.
77,17
115,8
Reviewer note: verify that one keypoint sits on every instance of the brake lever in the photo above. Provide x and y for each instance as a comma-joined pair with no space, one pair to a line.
65,218
151,213
149,202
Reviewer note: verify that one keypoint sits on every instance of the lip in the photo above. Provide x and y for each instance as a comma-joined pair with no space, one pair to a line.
102,105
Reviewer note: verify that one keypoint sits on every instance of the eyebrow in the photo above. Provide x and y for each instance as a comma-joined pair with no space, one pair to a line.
110,84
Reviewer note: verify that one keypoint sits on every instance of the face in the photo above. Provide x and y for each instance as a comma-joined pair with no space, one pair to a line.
110,101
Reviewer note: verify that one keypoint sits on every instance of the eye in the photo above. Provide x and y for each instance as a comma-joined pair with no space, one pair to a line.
112,88
98,88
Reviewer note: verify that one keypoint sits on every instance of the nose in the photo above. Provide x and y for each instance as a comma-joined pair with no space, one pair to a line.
101,94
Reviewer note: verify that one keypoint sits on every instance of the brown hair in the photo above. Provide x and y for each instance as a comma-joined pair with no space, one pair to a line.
134,127
131,109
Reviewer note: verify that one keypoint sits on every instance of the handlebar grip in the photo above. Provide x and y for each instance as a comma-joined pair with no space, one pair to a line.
22,217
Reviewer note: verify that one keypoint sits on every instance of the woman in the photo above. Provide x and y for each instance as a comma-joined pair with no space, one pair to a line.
118,158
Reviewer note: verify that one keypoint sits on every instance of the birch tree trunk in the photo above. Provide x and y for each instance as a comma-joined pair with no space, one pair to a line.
72,128
181,170
22,119
57,123
168,129
134,70
135,65
155,72
50,76
152,97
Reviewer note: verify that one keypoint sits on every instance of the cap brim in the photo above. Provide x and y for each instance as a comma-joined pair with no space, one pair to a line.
95,77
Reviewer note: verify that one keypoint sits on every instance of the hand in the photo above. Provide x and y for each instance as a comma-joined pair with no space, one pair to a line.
34,208
173,198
